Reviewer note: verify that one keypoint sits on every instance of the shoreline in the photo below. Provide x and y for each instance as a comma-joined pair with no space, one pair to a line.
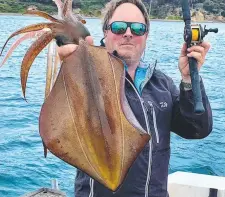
95,17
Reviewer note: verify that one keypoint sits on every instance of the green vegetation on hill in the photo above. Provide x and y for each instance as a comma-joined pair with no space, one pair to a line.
162,9
17,6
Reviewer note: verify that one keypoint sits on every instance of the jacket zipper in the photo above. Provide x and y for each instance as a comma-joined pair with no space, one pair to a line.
143,107
154,117
154,121
150,142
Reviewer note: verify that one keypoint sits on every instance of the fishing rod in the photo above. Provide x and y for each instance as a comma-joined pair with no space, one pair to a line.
193,35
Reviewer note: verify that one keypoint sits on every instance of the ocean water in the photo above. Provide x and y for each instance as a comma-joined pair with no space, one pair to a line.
23,167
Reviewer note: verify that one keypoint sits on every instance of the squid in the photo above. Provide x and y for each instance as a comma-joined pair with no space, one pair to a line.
85,119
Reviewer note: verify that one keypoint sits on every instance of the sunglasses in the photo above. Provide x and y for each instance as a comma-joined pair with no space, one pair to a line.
120,27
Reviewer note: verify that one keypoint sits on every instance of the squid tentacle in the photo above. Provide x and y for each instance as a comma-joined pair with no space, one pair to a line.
59,5
31,28
49,69
67,8
31,54
50,77
29,35
55,69
42,14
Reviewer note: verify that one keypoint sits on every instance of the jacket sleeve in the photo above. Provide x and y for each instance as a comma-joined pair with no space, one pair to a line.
185,122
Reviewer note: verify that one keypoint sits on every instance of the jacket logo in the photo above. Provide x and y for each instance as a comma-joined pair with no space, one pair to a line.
163,104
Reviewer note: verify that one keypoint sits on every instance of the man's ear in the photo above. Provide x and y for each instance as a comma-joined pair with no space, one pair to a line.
147,34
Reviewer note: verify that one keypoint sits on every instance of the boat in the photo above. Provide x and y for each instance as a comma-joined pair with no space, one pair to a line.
47,192
186,184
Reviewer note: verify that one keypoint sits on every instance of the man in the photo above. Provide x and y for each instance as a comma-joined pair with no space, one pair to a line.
156,102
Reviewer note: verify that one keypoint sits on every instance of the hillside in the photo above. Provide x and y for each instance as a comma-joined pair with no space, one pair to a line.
161,9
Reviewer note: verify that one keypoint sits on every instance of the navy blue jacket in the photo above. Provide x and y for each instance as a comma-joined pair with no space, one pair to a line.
166,109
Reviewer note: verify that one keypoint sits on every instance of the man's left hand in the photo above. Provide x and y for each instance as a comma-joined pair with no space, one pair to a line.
198,52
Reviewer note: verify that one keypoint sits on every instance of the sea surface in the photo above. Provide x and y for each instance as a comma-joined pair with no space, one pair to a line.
23,167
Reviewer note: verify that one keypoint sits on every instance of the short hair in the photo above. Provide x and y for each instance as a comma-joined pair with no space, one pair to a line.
113,4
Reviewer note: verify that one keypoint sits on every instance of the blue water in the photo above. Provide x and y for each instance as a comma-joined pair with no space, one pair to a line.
23,167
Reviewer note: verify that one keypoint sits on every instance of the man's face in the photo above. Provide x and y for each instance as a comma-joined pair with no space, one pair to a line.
128,45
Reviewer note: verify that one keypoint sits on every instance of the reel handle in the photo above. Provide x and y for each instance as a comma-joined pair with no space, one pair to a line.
214,30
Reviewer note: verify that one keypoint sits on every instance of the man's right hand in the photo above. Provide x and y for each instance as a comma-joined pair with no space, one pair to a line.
65,50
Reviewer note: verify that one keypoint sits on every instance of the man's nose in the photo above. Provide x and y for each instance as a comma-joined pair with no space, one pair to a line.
128,33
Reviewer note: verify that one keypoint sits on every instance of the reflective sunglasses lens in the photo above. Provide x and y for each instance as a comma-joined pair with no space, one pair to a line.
118,27
138,29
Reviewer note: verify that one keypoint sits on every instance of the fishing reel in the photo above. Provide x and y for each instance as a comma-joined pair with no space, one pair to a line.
193,35
197,33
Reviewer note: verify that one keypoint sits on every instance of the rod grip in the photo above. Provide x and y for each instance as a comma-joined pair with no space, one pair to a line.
195,81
